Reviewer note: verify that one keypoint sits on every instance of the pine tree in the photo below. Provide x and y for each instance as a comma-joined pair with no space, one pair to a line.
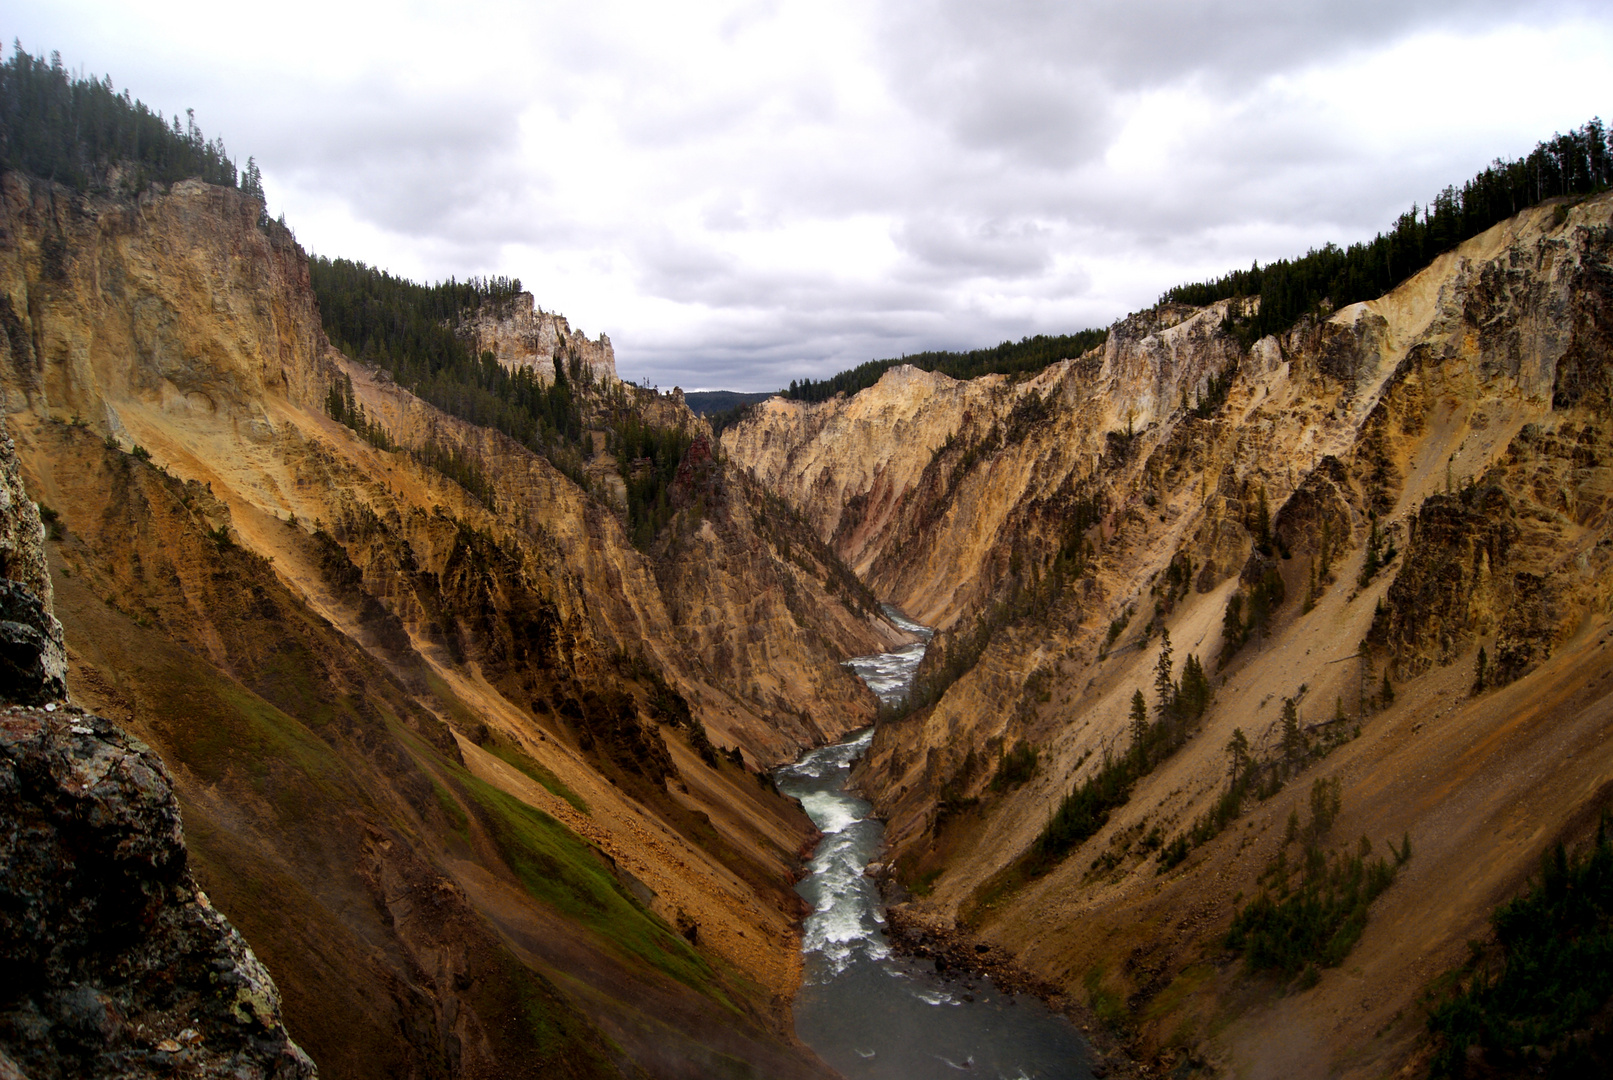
1139,726
1263,524
1293,739
1387,693
252,187
1238,750
1232,629
1374,558
1480,672
1195,694
1164,686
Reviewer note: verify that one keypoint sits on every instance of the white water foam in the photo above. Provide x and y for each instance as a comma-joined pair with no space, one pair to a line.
857,998
936,997
830,813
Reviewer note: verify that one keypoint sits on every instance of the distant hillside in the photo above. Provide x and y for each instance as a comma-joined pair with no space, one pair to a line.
1250,659
706,402
1025,356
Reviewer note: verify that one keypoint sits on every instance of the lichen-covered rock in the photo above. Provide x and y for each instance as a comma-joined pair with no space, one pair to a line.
112,961
33,664
22,534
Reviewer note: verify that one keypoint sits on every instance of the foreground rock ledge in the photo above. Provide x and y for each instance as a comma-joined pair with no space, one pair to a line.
112,961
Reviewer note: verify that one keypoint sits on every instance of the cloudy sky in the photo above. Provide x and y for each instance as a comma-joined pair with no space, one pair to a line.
745,193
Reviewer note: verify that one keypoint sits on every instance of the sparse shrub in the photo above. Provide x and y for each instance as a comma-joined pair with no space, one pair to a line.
1291,928
1540,993
1015,767
701,743
1117,626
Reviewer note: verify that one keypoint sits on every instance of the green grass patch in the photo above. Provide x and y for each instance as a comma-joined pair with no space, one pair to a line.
924,884
1186,981
537,771
216,727
567,1043
451,809
466,717
1105,1003
996,890
560,869
292,678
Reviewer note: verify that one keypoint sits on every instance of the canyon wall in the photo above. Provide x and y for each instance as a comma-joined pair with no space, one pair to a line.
447,761
114,963
1366,501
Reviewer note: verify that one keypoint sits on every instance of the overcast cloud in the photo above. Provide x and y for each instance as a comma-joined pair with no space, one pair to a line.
741,194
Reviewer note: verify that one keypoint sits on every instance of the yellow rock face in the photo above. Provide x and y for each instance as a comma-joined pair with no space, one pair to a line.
174,325
519,334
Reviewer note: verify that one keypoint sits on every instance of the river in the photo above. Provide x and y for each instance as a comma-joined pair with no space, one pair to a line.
869,1013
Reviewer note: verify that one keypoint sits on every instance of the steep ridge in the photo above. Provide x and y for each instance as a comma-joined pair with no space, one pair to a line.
447,767
1246,500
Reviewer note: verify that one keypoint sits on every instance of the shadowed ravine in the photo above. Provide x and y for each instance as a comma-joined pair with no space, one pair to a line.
865,1011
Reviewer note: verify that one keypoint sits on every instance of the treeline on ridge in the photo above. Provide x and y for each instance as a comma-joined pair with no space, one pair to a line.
1577,163
1028,354
407,329
74,130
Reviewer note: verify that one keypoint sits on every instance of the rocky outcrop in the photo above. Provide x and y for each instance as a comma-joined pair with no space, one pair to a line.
112,960
33,661
519,334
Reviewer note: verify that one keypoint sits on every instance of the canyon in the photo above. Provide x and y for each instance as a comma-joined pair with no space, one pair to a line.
442,766
482,775
1456,426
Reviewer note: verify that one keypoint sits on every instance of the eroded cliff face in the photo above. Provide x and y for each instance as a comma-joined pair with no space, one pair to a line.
521,335
1456,428
926,485
374,688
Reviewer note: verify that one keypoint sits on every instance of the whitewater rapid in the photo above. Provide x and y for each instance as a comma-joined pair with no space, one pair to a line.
869,1013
